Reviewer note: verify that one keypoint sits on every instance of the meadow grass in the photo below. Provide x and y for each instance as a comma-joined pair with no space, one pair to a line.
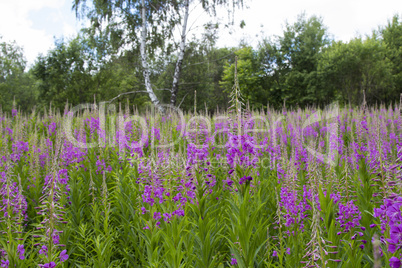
260,188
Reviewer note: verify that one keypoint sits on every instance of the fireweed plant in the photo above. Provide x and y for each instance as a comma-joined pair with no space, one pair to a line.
239,189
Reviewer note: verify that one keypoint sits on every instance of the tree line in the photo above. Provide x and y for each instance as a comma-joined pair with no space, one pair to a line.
302,67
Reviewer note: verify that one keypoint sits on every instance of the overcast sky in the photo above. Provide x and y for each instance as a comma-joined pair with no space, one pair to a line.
34,24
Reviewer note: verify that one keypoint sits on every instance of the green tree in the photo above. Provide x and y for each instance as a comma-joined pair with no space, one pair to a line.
290,61
350,68
249,75
15,83
392,38
148,25
65,74
269,59
202,70
118,77
74,71
209,7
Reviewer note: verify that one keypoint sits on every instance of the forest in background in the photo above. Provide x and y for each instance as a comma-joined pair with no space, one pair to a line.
302,67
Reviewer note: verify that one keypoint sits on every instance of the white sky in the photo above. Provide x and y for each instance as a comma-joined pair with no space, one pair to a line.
34,24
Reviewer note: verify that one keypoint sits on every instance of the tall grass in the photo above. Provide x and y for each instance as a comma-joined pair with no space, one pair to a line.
217,197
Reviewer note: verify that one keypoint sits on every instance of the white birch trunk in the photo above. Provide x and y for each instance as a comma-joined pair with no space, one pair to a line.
144,60
176,76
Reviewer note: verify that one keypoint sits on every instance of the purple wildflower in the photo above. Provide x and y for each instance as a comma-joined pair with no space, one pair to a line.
166,217
143,210
245,179
5,263
348,216
43,251
229,182
293,210
63,256
178,212
21,251
395,240
56,239
394,262
51,264
157,216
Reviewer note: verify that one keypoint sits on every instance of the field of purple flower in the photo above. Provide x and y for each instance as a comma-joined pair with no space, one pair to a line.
264,189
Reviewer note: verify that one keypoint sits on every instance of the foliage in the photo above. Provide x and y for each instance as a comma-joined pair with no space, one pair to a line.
248,74
119,22
65,74
392,39
290,62
300,68
15,84
348,69
202,70
257,200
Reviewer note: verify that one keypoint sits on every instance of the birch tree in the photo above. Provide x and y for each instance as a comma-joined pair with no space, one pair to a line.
143,24
209,7
148,25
